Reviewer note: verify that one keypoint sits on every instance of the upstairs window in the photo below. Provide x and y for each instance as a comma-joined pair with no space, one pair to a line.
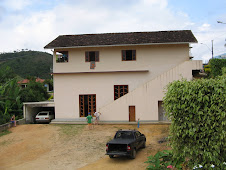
128,55
92,56
120,90
61,56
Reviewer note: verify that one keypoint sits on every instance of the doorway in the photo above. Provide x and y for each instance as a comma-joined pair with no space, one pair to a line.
132,114
87,104
162,112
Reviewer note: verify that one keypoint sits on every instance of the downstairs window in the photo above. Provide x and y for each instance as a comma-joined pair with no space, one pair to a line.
120,90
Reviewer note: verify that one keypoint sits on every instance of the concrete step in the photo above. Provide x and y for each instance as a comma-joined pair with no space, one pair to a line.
83,121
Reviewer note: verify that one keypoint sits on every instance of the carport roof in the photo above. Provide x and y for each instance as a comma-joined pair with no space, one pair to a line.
48,103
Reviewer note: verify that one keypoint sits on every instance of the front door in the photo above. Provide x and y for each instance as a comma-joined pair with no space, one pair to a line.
132,117
162,112
87,104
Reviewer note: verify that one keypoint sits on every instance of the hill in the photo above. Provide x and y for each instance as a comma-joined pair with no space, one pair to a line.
28,63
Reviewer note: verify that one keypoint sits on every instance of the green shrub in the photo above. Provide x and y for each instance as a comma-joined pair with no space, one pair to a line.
216,66
224,71
197,110
207,69
162,159
4,118
5,132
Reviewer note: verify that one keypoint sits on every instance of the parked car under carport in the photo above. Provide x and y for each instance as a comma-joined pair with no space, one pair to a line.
31,109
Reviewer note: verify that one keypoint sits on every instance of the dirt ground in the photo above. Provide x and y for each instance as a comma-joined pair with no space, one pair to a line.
69,147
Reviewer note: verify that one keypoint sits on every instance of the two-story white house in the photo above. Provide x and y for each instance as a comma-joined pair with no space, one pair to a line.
121,75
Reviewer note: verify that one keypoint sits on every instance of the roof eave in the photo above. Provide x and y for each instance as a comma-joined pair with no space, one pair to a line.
117,45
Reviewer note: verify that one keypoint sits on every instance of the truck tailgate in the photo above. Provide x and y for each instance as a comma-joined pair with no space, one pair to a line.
117,148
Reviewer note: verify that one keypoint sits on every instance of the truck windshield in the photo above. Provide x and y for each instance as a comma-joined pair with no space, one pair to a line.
124,135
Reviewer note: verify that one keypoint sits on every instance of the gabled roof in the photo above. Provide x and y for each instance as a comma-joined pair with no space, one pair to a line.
119,39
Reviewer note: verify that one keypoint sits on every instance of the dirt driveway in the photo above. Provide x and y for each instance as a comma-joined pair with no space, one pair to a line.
72,147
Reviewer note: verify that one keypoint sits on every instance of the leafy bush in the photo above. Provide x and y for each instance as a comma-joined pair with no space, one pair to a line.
197,110
5,117
224,71
163,159
207,69
216,66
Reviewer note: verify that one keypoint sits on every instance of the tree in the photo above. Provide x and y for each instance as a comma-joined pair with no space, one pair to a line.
50,83
6,74
12,96
10,102
216,66
34,92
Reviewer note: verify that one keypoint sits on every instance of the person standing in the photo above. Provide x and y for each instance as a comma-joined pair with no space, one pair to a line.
13,120
97,114
89,121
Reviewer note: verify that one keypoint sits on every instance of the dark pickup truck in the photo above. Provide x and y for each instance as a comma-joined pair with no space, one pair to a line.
126,143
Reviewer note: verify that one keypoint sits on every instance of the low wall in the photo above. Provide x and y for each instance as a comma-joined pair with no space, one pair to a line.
9,125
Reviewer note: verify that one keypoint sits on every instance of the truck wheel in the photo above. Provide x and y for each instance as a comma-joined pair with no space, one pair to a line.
144,145
111,156
134,152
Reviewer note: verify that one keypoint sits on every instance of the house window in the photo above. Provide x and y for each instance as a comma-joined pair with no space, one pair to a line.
120,90
61,56
92,56
128,55
23,86
87,104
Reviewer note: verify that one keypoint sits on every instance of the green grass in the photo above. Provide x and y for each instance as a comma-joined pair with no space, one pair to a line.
71,130
4,132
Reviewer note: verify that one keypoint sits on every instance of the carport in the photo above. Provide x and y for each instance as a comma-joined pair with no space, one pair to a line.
30,109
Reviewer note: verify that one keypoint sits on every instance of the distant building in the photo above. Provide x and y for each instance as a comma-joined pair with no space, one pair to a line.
23,83
221,56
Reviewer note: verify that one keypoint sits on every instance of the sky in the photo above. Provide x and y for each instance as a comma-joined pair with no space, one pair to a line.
32,24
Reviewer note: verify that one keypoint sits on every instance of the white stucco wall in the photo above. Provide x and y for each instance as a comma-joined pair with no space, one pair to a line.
145,98
157,59
152,57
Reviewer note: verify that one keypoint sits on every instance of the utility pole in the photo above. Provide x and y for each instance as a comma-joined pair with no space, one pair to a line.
212,49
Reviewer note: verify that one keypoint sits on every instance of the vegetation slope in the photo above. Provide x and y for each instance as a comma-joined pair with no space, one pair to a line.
28,63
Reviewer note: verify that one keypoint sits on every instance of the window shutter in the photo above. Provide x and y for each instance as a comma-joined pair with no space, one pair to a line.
96,55
123,55
134,55
87,56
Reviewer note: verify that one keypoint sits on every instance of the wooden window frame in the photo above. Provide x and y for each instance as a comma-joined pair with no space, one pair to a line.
87,56
91,107
124,55
127,86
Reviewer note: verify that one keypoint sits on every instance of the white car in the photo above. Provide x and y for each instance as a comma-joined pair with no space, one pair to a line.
44,116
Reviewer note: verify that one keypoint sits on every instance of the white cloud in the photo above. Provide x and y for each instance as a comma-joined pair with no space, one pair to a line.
203,50
36,29
17,4
2,11
204,27
161,4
